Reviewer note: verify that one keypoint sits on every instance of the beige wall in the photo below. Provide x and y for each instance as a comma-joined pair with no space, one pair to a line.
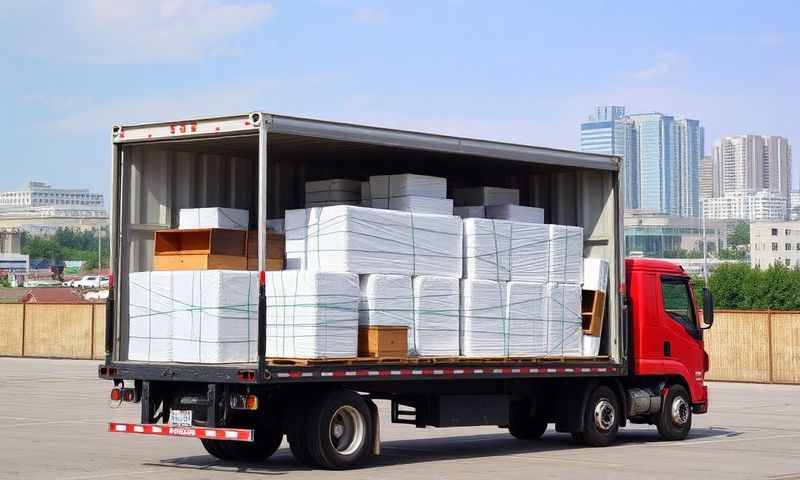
57,331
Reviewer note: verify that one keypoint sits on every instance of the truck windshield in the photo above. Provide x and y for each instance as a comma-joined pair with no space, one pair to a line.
678,302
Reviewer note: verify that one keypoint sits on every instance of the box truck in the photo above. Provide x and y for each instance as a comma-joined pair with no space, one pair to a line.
651,363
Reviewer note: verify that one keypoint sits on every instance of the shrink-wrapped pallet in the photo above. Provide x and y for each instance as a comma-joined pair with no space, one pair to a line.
485,196
515,213
564,328
566,254
368,240
435,330
591,346
487,249
386,300
483,332
228,218
384,187
470,212
312,314
413,203
332,191
526,317
150,310
530,252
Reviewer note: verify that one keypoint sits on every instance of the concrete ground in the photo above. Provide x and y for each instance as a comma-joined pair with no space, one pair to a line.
53,417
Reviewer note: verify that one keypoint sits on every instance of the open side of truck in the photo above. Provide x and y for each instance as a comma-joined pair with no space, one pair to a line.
325,408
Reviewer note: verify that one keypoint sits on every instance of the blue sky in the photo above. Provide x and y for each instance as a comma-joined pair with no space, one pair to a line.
526,71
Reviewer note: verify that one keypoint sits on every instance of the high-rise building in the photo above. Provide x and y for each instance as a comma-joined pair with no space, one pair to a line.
778,163
688,145
747,206
608,132
706,183
751,162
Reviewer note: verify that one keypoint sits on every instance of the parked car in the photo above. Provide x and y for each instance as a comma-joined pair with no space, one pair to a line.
91,281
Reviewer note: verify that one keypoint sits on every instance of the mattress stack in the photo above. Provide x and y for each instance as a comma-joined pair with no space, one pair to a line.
213,217
335,191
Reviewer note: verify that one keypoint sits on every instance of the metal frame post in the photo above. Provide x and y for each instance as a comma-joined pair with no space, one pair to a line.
261,121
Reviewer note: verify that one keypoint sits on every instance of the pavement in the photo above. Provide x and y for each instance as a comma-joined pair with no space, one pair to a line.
53,416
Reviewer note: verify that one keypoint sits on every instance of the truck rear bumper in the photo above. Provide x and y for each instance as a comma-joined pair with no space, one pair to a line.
230,434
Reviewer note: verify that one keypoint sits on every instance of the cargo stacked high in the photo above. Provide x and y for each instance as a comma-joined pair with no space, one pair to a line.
269,267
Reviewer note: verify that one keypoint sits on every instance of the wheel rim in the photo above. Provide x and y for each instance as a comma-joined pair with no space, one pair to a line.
680,411
604,415
346,430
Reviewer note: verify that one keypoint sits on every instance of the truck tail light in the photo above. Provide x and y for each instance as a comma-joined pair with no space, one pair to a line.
116,394
244,402
121,394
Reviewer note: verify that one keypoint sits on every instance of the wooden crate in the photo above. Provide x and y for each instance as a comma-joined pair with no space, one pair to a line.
199,262
593,309
378,342
201,241
276,250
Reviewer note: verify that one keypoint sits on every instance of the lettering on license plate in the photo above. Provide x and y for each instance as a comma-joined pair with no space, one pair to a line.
180,418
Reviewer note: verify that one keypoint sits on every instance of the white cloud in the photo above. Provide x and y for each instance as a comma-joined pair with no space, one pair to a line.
663,66
140,31
370,16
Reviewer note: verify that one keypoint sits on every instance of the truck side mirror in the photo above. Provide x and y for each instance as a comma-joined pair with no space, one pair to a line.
708,307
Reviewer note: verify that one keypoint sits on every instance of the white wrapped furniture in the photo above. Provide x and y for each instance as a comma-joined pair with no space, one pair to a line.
435,329
213,217
483,318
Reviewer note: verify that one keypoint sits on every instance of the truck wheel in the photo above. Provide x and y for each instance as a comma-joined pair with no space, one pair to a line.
215,448
601,419
296,433
524,427
675,418
265,443
340,431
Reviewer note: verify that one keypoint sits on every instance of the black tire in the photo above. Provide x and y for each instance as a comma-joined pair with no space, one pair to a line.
339,430
297,417
522,426
601,418
674,421
215,448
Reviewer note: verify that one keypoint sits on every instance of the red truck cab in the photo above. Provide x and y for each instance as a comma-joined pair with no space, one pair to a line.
666,335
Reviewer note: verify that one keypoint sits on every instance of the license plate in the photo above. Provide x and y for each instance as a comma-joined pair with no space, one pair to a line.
180,418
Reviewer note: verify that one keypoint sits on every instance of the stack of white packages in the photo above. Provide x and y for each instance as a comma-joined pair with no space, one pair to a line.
566,254
516,213
485,196
150,317
484,329
435,330
386,300
411,193
230,218
564,326
336,191
595,278
526,315
470,212
367,240
501,250
312,314
205,316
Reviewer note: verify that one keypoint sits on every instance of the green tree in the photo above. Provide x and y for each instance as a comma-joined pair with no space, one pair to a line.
740,235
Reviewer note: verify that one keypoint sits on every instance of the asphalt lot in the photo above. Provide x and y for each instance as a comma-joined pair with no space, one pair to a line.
53,417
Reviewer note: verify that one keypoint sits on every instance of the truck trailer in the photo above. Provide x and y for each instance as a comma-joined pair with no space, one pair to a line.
651,364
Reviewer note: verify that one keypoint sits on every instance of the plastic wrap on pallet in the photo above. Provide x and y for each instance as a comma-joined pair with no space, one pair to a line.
526,316
515,213
213,217
413,203
435,330
595,274
591,346
530,252
564,327
566,254
367,240
312,314
150,321
203,316
483,330
487,249
384,187
485,196
332,190
386,300
470,212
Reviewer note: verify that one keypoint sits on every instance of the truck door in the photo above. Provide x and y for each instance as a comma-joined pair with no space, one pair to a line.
682,347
